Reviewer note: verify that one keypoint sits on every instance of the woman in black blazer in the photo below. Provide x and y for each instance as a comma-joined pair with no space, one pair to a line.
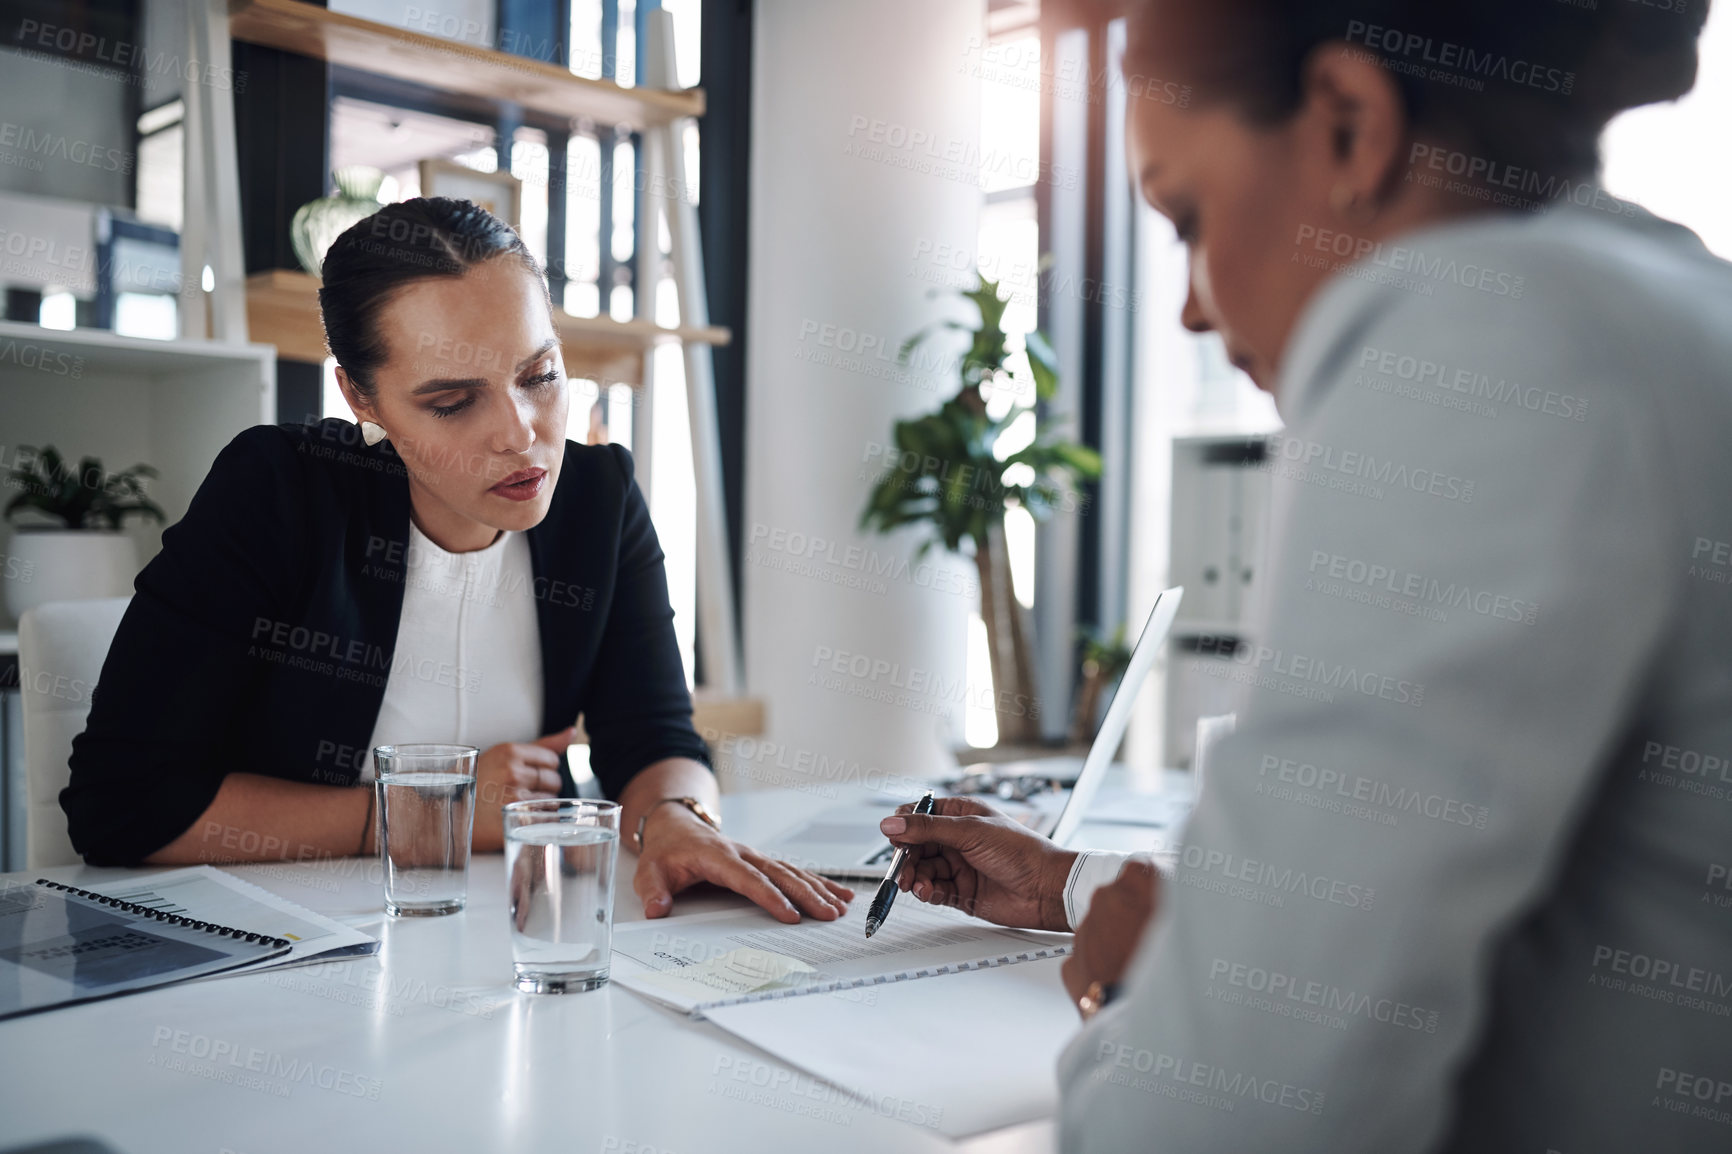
238,699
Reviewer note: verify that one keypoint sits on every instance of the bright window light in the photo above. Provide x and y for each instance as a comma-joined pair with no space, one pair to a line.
673,492
1671,158
625,65
620,400
1019,545
150,315
580,410
59,311
332,402
624,200
619,303
586,49
1009,113
529,164
979,722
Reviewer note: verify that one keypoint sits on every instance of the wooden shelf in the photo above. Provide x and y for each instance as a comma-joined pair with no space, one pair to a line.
173,404
452,65
283,310
100,350
715,718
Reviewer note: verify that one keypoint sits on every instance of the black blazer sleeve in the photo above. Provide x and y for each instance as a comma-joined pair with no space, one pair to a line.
637,709
160,736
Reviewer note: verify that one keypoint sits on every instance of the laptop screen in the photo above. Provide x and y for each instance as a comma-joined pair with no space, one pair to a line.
1118,717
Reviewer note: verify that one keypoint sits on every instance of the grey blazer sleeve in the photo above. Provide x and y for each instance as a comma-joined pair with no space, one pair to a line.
1459,612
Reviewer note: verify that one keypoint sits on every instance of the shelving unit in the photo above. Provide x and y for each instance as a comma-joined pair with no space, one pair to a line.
453,65
1220,513
282,305
283,309
171,404
176,404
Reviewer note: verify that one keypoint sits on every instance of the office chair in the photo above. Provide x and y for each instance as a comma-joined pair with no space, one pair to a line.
61,648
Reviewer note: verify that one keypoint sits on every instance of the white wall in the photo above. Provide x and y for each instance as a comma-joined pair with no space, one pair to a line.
837,217
64,127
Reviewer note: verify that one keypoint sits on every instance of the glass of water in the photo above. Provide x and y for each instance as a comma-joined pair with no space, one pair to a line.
559,860
426,803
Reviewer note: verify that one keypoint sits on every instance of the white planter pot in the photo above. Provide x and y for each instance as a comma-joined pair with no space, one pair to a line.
67,565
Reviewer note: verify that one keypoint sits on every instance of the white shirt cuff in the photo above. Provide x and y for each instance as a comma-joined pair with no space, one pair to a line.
1095,868
1092,869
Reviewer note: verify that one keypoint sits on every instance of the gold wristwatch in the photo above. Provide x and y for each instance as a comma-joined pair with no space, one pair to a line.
691,803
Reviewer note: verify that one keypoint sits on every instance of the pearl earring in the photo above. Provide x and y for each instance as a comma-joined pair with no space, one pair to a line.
371,433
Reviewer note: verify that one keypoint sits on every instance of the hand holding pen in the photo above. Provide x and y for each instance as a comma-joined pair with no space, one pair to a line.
886,895
965,854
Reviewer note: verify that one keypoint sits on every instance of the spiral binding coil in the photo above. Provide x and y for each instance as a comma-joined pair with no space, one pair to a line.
167,918
840,985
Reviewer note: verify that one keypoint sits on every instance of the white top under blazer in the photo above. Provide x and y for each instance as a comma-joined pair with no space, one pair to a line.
467,665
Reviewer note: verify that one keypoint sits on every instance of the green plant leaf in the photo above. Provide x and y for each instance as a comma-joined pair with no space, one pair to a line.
82,496
947,476
1043,363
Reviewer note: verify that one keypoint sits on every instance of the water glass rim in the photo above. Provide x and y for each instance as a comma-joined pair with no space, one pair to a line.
425,749
560,805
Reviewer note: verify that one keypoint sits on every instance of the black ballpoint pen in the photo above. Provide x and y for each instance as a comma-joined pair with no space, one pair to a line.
881,902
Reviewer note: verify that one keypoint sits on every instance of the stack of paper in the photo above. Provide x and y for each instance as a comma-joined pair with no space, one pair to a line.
939,1019
708,960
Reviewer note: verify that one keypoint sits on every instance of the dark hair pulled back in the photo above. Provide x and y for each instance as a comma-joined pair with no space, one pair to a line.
401,243
1552,72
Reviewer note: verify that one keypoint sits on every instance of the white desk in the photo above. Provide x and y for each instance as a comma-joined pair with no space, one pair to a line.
428,1047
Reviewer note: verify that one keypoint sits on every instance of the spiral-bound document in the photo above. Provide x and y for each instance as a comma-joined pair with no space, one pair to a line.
214,895
706,961
60,944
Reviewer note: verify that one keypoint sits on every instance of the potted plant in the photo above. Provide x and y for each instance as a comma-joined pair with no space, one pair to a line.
80,551
949,477
1105,657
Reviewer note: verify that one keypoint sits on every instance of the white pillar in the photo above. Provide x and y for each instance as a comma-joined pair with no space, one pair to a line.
865,147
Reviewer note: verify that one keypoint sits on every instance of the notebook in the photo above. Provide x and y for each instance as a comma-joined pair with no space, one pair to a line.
60,945
702,962
959,1054
208,894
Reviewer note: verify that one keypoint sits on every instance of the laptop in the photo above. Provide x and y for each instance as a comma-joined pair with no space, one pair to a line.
844,841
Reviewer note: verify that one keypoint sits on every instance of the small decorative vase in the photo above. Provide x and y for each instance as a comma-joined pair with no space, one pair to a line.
318,223
50,564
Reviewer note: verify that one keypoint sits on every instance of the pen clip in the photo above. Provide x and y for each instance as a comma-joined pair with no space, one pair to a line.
923,807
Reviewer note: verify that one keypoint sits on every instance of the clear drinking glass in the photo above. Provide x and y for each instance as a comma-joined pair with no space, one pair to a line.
559,861
426,803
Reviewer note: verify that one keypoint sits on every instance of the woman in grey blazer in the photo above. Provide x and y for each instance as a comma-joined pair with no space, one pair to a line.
1459,879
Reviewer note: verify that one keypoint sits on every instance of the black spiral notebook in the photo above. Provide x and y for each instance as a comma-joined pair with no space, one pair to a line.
60,945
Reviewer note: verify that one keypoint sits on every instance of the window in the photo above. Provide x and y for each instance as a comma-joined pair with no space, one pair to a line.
1667,157
1007,251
